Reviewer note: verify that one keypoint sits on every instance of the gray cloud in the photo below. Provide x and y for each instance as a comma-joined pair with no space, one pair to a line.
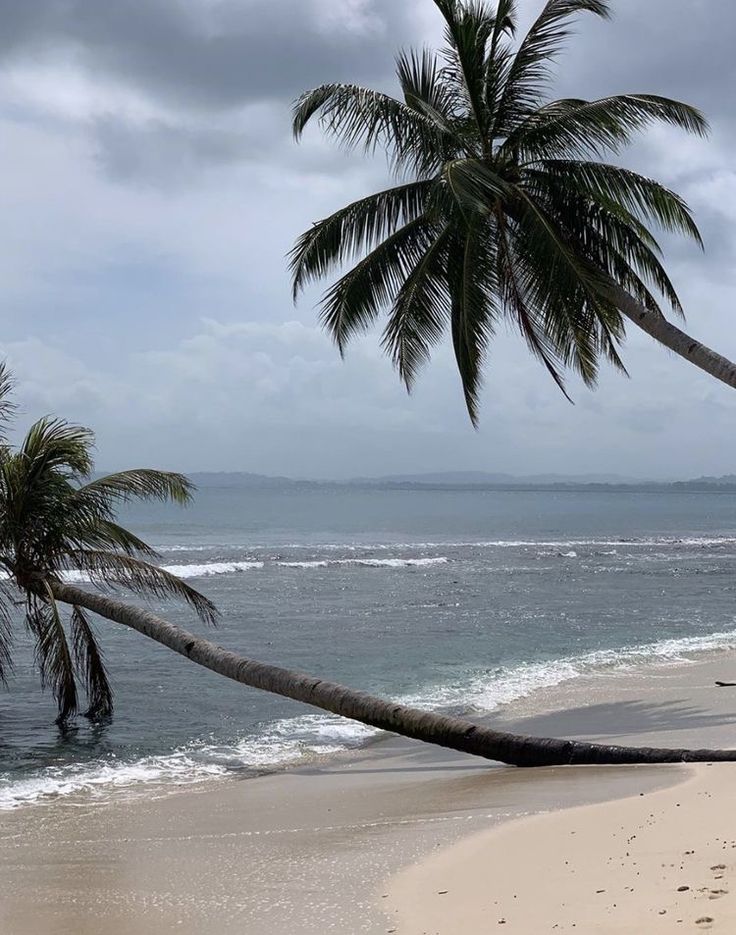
151,192
212,55
678,49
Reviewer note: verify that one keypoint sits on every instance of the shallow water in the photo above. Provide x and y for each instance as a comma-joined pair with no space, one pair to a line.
456,599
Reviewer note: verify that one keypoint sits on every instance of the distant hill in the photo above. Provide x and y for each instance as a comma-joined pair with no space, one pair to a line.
461,480
725,480
483,478
239,479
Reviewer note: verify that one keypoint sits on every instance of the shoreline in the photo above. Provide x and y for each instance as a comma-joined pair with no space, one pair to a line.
310,849
184,769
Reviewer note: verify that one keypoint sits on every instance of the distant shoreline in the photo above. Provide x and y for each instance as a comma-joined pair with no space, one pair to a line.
247,482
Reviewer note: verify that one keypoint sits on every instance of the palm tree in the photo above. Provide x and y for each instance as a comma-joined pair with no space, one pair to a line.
504,209
55,519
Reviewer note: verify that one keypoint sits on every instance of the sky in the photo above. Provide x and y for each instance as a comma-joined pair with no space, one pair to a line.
151,191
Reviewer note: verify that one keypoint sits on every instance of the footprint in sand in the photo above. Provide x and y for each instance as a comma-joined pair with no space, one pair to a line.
704,922
716,894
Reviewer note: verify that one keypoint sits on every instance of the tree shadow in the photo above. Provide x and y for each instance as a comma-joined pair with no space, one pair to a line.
617,718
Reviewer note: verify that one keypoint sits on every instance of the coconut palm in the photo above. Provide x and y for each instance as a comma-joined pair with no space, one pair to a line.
504,209
58,523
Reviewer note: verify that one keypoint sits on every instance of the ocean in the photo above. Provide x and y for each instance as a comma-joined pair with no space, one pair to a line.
461,600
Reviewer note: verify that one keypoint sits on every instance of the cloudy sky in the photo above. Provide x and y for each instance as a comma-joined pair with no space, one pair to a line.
150,191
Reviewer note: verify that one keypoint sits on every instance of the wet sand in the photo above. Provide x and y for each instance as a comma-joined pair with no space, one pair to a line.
316,850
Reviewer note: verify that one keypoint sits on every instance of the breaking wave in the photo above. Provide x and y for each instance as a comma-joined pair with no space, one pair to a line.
291,741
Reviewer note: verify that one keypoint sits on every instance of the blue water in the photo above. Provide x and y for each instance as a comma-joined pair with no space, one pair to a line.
454,599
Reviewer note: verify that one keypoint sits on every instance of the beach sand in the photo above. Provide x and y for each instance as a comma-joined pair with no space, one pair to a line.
663,862
352,844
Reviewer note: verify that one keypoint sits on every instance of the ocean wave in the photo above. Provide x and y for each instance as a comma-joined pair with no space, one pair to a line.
367,546
369,562
208,569
212,568
288,742
291,741
102,777
182,571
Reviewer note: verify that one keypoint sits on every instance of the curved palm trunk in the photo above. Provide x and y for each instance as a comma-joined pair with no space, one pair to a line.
455,733
666,333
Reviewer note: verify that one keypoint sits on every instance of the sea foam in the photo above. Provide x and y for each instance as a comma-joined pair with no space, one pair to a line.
290,741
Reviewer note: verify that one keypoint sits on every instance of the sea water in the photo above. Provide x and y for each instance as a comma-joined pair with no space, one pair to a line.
460,600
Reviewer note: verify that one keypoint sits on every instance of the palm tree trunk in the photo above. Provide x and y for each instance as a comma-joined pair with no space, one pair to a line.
455,733
666,333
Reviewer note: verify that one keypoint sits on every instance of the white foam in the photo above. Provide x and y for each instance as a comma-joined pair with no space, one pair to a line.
614,541
285,742
99,778
211,568
74,576
316,564
370,562
301,739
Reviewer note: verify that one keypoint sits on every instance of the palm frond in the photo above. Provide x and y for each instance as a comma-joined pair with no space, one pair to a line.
476,187
108,569
53,655
529,72
140,484
362,118
474,311
55,444
91,666
571,290
6,635
644,197
608,233
106,534
420,311
420,80
531,324
574,128
8,408
499,59
357,227
469,26
354,302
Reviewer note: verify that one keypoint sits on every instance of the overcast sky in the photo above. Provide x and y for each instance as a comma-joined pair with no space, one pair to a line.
150,191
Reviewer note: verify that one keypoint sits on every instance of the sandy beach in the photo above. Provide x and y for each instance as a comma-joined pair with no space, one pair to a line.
659,862
370,842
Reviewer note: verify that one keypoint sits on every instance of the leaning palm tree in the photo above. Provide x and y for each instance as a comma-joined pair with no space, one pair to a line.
504,209
57,521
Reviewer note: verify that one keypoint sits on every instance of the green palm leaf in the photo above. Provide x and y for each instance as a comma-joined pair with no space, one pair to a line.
53,655
108,569
90,663
355,301
420,311
517,210
358,227
139,484
361,118
529,72
573,128
54,519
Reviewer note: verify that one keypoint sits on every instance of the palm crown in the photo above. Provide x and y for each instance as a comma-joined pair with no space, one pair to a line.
503,207
54,519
